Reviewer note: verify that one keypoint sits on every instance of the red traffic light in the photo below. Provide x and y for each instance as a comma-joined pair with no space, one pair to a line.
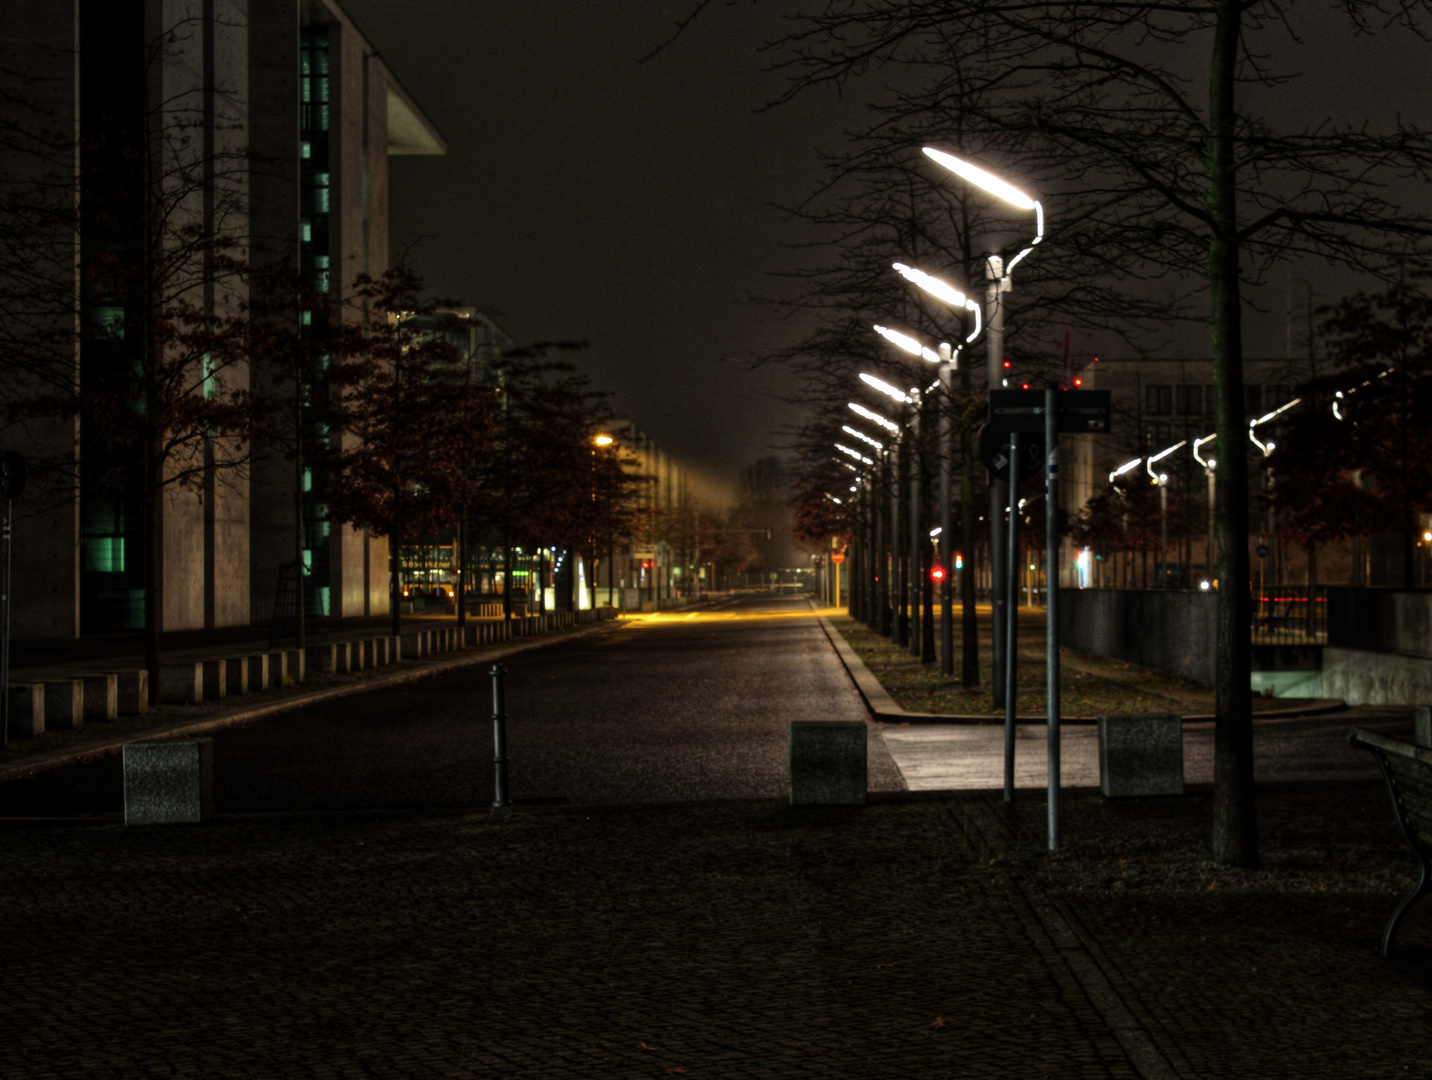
937,574
1078,381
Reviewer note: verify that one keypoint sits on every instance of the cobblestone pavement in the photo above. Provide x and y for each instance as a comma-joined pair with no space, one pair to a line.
736,939
906,938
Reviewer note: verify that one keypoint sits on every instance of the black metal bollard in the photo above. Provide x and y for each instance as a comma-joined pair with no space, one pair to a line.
501,808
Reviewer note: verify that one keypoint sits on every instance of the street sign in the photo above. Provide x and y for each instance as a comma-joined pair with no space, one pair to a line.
837,556
994,452
1262,551
1081,412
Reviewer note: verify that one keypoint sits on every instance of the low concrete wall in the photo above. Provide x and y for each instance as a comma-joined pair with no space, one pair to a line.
1381,620
1174,631
1364,677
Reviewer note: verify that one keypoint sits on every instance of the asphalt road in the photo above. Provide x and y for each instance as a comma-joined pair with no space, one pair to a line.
674,707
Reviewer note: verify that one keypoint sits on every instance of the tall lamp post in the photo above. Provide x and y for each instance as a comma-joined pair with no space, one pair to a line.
948,360
946,357
1161,479
1208,467
902,591
997,273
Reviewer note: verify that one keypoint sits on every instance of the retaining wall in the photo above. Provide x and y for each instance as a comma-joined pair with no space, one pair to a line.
1170,631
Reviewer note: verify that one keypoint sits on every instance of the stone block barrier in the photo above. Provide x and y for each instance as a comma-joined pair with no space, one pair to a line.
27,710
1140,754
101,698
236,675
168,781
181,684
322,659
259,672
828,762
216,679
133,692
64,704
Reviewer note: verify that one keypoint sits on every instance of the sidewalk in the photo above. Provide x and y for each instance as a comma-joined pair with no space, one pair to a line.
54,749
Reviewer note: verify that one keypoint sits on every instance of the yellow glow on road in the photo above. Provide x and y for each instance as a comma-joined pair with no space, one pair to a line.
686,618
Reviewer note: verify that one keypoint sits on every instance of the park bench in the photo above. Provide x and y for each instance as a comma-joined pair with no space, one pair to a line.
1407,768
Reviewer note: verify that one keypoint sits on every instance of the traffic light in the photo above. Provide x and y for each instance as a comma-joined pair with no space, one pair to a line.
937,574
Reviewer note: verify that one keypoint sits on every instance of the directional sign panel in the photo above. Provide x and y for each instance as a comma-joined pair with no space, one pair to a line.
1081,412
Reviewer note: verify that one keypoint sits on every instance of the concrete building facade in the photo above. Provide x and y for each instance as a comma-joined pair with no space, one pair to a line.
268,123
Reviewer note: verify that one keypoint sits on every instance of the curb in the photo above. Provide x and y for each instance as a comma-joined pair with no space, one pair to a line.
242,715
884,708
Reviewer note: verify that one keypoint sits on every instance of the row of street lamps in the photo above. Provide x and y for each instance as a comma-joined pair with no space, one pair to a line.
1002,494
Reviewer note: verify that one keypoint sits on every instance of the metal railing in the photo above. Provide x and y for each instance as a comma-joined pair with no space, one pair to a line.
1290,615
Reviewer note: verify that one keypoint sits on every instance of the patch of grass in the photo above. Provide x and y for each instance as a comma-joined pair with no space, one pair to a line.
1089,685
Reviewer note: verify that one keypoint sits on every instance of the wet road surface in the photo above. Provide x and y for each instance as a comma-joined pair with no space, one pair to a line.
671,707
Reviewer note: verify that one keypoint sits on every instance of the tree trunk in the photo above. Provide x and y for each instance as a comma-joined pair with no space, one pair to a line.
1235,824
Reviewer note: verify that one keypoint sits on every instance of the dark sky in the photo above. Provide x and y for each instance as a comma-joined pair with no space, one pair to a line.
587,195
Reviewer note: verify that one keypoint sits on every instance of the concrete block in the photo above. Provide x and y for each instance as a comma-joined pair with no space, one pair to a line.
168,781
322,659
371,653
411,644
357,655
828,764
259,672
133,692
342,656
181,684
1422,726
27,710
101,697
236,675
216,679
64,704
1141,754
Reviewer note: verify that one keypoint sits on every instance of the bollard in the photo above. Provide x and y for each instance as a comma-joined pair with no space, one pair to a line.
501,808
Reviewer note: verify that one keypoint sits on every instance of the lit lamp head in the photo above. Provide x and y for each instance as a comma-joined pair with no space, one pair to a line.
603,440
885,388
909,344
941,290
874,417
1000,189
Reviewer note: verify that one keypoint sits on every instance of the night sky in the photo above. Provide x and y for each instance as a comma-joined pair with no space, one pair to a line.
589,195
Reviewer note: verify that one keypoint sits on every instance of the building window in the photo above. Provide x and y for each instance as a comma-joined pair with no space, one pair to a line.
1188,400
1159,400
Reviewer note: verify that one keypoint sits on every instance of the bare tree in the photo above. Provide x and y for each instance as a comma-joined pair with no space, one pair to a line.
1162,166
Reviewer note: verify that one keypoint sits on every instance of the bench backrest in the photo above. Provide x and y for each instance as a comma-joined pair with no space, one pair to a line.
1408,769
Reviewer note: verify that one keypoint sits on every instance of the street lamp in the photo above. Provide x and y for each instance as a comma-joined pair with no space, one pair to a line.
997,273
1209,464
1161,479
948,359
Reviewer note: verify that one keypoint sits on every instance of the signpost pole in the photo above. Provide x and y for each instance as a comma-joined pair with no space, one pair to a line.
1011,621
1051,604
